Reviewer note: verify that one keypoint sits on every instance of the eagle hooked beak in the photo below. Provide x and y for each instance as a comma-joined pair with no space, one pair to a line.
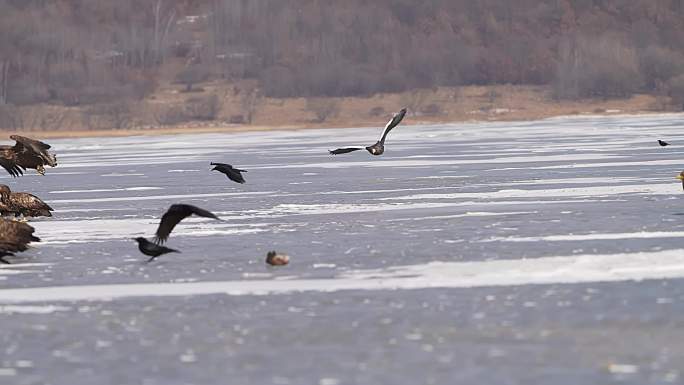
680,177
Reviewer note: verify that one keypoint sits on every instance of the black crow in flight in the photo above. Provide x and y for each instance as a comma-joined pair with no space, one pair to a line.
175,214
232,173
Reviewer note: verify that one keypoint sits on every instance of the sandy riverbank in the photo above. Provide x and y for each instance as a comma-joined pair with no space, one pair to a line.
443,105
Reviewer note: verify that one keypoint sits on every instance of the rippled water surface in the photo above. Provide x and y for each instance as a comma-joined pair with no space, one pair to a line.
546,252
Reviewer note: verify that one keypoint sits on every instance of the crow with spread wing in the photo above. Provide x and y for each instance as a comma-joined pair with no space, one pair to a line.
379,147
231,172
174,215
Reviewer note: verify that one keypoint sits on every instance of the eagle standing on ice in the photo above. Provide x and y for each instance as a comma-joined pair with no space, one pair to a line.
21,203
14,236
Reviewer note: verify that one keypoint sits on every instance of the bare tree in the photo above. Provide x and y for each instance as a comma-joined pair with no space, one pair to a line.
376,111
192,75
4,80
603,66
107,116
676,91
658,65
415,100
202,108
50,120
161,21
322,108
168,115
249,102
10,118
82,53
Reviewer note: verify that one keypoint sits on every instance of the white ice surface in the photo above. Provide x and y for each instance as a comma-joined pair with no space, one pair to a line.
510,272
551,146
591,236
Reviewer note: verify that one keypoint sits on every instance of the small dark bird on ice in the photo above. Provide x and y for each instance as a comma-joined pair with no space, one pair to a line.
663,143
174,215
379,147
277,259
152,249
231,172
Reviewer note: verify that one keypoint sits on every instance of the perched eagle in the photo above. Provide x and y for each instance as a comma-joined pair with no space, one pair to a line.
379,147
174,215
21,203
14,237
26,153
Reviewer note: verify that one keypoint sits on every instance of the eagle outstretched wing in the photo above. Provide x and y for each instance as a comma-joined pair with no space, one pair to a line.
36,147
26,153
174,215
396,119
345,150
11,166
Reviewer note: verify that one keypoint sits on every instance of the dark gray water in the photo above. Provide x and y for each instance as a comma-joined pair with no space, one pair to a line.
507,253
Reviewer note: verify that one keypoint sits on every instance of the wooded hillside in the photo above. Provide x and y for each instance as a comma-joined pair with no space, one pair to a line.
106,54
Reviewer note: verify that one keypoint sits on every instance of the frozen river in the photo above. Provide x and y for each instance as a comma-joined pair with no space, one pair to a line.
547,252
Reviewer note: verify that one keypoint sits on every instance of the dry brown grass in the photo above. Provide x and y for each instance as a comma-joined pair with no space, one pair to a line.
441,105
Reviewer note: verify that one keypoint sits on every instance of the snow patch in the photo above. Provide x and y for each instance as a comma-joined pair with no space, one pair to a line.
509,272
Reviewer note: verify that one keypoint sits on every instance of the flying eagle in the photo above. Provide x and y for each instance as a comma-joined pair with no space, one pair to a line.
153,250
232,173
21,203
14,237
26,153
174,215
379,147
